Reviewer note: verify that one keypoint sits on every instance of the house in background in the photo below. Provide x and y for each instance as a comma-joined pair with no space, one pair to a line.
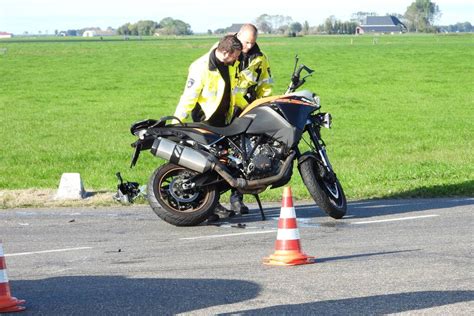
89,33
6,35
98,32
381,24
234,28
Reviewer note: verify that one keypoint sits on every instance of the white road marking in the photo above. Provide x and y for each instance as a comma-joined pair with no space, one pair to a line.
45,251
228,235
395,219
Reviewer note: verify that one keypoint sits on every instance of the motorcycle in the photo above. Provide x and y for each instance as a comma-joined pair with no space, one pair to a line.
256,151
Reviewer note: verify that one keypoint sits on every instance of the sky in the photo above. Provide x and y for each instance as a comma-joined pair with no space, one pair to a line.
18,16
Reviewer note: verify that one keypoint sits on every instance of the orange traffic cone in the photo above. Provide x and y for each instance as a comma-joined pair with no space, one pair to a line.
7,302
287,246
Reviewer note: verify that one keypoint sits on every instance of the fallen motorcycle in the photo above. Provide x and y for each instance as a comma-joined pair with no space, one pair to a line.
256,151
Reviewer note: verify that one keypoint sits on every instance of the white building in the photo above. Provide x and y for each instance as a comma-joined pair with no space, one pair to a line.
5,35
89,33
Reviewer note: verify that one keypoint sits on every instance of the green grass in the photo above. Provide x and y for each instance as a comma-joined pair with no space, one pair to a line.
403,109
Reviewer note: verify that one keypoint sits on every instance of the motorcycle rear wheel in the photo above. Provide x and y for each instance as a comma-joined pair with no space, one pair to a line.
176,204
328,194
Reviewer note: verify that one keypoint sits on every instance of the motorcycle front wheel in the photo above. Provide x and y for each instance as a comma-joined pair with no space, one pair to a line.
325,189
175,200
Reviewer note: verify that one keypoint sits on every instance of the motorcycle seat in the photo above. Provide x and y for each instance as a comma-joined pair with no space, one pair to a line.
238,126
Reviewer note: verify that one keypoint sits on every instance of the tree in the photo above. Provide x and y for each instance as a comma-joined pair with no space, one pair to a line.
262,23
264,27
296,27
273,23
329,24
146,27
124,29
305,28
167,26
459,27
421,15
219,31
335,26
132,29
171,26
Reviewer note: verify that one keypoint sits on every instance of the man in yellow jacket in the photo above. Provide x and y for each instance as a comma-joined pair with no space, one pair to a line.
210,94
255,79
254,82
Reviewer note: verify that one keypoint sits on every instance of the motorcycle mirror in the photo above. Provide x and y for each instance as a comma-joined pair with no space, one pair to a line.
308,75
296,63
309,70
119,177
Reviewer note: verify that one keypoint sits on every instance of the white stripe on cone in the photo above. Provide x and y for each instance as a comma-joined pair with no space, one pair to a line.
288,234
287,212
3,276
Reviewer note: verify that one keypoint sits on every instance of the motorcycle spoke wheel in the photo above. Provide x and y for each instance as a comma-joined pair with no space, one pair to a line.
175,201
180,199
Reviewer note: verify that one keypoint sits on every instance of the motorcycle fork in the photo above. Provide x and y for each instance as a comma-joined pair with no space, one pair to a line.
320,148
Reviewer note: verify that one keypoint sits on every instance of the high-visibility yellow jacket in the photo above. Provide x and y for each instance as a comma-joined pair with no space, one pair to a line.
255,79
205,86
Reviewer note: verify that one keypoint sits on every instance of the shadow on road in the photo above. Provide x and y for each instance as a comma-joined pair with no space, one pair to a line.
111,295
388,207
368,208
321,260
370,305
460,189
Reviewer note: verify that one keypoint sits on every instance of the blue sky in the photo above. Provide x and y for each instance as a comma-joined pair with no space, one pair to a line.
18,16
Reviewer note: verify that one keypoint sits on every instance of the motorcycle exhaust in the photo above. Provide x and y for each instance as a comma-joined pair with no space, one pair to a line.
197,161
181,155
254,184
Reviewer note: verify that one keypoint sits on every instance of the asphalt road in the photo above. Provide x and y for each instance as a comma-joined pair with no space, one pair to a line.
386,256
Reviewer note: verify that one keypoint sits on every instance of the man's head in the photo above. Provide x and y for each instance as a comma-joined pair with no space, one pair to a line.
228,49
248,36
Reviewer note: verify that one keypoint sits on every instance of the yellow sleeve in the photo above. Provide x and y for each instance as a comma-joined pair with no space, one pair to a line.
190,96
248,76
265,82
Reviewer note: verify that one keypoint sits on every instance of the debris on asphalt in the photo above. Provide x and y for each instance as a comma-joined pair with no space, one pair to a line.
239,225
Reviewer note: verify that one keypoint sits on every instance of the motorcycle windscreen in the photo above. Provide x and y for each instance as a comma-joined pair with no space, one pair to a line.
267,121
296,112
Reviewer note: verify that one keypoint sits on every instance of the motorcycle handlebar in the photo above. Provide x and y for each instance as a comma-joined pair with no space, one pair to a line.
296,82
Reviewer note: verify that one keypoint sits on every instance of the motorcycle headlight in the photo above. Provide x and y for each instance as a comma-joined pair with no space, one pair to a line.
316,101
140,133
327,120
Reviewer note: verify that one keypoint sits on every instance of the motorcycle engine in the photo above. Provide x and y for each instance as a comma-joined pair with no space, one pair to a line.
265,160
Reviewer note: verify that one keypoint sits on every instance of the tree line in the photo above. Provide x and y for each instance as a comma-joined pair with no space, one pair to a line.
167,26
458,27
420,16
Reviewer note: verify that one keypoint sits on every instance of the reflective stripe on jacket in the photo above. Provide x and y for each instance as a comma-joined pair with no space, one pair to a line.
255,80
205,86
257,74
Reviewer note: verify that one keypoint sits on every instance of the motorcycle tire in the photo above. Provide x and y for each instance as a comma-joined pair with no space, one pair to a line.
329,197
174,205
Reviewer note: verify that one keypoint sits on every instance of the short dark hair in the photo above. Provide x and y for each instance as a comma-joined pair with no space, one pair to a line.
229,44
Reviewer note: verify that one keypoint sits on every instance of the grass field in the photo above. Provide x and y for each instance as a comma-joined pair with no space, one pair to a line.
403,108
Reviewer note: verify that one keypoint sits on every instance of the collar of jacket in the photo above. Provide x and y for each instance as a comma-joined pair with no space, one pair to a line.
213,61
254,52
